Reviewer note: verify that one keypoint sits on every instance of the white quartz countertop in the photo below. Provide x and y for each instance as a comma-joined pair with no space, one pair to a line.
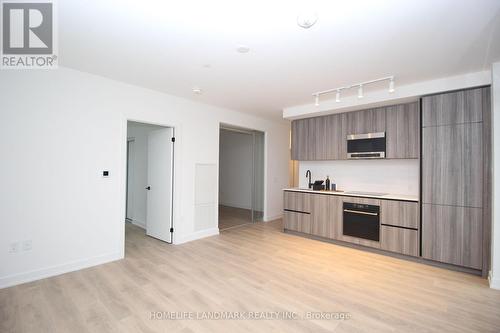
389,196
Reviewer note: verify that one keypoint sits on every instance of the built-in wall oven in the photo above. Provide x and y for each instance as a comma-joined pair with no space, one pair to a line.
362,221
368,145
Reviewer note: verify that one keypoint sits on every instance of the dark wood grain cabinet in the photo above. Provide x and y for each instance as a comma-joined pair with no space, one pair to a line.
455,164
452,165
403,131
366,121
325,137
453,235
399,240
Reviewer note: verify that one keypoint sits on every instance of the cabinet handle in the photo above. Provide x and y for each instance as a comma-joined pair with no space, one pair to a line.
359,212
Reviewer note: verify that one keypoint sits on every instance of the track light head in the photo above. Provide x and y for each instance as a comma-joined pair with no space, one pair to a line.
360,91
337,96
316,100
391,85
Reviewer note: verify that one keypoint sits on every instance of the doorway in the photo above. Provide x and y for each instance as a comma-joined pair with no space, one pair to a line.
241,176
149,188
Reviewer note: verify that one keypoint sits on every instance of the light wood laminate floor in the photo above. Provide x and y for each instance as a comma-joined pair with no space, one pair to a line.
230,217
255,267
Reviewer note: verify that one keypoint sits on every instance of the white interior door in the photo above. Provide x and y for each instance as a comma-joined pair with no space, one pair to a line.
159,202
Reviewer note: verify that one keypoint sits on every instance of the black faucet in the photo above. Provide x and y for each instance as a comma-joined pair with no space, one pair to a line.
308,174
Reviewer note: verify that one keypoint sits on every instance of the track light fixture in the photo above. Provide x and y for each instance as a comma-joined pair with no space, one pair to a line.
358,85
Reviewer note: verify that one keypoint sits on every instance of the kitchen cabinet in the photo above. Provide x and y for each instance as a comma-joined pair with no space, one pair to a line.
455,178
399,213
297,221
403,131
319,138
321,214
321,225
297,211
459,107
452,165
336,138
325,137
303,139
326,216
399,240
366,121
297,201
452,235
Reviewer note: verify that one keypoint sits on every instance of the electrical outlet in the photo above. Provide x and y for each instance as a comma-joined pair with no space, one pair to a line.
14,247
27,245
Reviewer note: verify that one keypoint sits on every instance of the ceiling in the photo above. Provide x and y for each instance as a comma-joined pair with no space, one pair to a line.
173,46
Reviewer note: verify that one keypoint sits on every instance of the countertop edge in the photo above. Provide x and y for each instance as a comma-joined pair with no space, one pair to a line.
343,194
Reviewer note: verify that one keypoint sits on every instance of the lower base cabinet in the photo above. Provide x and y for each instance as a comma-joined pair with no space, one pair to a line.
453,235
400,240
296,221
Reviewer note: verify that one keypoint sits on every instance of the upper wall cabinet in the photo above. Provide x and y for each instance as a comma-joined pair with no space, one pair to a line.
403,131
325,138
458,107
319,138
366,121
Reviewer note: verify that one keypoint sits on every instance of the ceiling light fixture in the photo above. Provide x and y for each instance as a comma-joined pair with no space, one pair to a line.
360,86
243,49
307,20
391,85
360,91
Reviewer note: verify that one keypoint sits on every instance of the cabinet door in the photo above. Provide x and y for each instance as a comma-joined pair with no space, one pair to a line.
336,141
366,121
452,165
321,225
399,213
457,107
302,139
297,201
403,131
452,235
300,222
400,240
320,138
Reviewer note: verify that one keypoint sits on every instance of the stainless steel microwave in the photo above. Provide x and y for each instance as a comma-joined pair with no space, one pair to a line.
366,146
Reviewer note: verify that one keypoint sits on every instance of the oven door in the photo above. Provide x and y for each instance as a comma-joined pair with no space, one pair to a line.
361,221
369,145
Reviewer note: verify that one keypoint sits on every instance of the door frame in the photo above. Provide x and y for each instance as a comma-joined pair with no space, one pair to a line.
123,178
249,131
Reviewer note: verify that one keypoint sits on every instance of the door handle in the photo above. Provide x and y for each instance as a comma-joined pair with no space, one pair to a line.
148,188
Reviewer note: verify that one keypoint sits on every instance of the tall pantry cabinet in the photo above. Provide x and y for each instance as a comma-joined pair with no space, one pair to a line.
456,177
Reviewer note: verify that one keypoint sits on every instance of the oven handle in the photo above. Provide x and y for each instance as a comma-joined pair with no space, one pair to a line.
359,212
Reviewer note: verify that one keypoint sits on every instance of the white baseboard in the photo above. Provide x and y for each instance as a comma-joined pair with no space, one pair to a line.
15,279
494,281
196,235
272,218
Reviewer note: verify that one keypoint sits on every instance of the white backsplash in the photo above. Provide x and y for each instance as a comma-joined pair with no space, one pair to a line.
387,176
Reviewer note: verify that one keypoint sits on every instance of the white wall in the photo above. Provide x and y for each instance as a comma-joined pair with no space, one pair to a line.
138,171
235,169
495,234
387,176
59,129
